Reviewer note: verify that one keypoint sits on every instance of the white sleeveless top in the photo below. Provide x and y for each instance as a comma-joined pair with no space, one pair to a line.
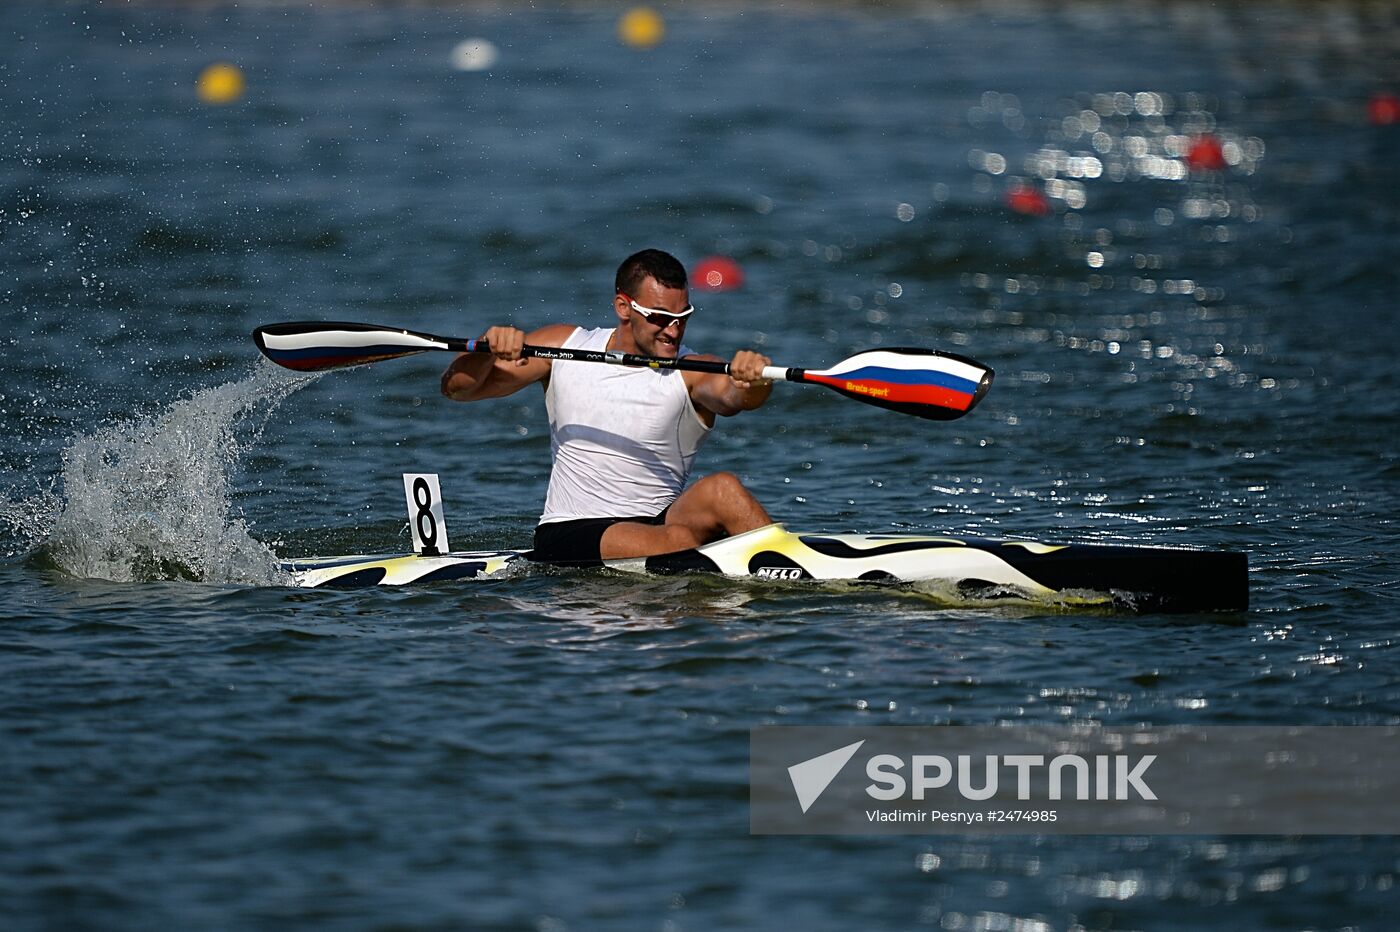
622,439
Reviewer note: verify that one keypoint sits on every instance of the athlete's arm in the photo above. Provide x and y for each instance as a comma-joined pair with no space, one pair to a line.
501,372
743,389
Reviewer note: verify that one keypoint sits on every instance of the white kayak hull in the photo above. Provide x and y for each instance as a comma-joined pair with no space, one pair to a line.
1148,578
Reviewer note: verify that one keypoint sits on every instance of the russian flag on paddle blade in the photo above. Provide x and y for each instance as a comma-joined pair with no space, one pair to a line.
906,377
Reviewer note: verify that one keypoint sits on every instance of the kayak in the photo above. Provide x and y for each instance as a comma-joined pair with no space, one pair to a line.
1163,579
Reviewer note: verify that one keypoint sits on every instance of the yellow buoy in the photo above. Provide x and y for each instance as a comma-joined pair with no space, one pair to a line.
641,28
221,83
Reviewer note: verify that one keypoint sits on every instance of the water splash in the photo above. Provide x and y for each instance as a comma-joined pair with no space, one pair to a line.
150,498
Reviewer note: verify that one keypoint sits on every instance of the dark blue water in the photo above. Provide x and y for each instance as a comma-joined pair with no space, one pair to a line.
1196,357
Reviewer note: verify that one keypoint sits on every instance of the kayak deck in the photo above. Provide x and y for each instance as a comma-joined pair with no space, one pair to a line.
1142,578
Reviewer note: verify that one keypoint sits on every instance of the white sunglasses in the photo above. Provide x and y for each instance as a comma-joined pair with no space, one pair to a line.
659,318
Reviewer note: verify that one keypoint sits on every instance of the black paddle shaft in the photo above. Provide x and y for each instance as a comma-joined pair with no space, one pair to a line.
688,364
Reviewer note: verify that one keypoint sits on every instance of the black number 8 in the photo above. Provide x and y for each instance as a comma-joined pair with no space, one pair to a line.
423,498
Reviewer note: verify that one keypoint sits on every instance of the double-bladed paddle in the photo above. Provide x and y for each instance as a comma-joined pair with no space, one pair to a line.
921,382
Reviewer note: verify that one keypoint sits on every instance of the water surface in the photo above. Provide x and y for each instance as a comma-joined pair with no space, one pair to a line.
1187,357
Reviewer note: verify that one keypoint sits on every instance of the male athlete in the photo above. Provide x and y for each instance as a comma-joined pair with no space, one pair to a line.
623,439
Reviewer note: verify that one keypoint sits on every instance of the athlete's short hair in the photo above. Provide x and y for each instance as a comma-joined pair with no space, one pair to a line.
649,263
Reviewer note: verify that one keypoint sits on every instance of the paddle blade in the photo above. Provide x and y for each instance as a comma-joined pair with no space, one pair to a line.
921,382
316,346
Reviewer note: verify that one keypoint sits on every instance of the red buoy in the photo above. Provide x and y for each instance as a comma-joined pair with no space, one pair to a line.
717,273
1206,154
1383,109
1028,200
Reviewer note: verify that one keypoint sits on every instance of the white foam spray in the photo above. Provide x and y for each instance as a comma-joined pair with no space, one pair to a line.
150,498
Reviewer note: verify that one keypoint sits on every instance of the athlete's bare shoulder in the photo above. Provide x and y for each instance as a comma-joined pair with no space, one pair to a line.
551,334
